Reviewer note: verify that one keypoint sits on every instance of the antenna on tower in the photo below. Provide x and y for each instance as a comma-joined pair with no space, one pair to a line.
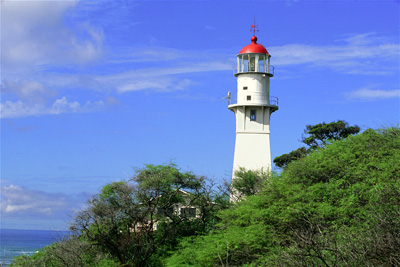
228,97
254,27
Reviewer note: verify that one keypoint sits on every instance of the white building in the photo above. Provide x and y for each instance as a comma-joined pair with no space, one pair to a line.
184,209
253,107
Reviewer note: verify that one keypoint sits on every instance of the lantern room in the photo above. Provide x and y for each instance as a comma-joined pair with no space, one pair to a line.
254,58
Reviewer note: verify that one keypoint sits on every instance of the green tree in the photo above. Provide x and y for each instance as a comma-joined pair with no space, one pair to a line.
71,251
321,134
248,182
285,159
338,206
318,136
137,222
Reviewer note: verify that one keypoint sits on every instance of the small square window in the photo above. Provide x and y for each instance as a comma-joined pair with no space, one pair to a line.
244,87
188,212
249,97
252,114
165,211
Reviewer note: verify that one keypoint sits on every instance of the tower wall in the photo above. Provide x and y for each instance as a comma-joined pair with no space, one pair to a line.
250,154
257,87
252,144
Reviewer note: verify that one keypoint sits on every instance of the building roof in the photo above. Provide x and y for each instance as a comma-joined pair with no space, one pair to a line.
254,47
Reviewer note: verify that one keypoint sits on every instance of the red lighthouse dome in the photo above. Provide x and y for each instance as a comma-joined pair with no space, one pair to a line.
254,47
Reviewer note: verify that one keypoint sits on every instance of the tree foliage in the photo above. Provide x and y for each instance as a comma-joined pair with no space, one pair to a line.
321,134
247,182
285,159
338,206
71,251
137,222
318,136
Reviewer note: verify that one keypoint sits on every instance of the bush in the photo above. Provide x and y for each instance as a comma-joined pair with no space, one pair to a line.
338,206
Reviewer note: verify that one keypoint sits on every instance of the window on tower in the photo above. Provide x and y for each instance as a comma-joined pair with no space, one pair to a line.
261,64
252,65
244,87
249,97
252,114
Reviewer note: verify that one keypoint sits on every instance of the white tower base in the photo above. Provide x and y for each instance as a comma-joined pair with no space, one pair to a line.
250,154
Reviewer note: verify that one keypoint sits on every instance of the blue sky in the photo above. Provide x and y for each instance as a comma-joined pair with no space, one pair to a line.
90,91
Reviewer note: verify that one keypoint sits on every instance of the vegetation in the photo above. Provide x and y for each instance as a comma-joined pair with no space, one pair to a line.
321,134
122,219
339,205
247,183
318,136
136,223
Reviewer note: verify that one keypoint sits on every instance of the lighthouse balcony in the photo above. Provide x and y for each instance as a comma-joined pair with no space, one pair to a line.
267,70
273,102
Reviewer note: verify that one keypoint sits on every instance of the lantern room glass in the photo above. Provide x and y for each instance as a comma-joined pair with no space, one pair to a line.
253,63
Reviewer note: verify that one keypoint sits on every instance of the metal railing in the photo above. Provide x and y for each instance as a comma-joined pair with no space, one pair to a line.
273,101
269,71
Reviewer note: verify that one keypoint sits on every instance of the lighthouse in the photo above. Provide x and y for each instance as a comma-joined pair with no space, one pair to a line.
253,107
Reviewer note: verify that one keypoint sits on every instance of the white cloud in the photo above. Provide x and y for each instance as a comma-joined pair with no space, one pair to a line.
352,55
27,90
40,35
33,33
34,39
373,94
19,108
163,79
209,27
358,54
150,55
17,201
46,43
162,84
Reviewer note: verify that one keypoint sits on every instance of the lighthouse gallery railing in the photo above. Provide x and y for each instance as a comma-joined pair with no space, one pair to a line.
273,101
267,70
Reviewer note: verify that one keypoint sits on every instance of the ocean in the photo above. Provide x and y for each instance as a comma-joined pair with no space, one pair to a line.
25,242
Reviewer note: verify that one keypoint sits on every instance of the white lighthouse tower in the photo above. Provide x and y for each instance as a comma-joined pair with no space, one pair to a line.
253,108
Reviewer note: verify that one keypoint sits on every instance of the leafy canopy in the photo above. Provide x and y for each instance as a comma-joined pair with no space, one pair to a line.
136,222
338,206
318,136
321,134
